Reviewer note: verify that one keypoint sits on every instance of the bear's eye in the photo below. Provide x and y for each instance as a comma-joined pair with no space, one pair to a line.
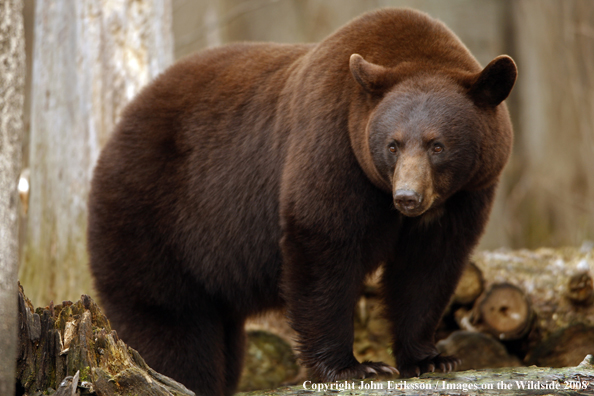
437,148
393,148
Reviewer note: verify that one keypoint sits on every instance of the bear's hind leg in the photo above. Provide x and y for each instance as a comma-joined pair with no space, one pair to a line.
235,339
189,348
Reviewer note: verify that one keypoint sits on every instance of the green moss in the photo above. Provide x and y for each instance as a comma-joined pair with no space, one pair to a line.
85,374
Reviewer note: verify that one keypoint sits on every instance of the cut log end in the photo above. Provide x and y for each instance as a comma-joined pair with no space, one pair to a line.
580,289
503,311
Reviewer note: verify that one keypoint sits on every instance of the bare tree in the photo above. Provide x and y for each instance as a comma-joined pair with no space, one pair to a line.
90,58
12,82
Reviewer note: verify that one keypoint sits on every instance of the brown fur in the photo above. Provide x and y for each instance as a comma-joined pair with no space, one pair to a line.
255,176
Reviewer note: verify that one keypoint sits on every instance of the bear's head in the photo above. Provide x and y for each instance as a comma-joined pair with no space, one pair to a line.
430,133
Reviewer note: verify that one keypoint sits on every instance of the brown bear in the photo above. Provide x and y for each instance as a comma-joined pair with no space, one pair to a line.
258,176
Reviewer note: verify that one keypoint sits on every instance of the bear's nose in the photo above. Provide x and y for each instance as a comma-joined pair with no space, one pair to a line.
407,200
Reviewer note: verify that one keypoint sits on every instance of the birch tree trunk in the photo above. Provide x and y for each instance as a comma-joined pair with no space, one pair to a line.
90,59
12,82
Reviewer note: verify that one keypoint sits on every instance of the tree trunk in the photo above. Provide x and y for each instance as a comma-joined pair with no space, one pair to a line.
552,201
90,59
12,81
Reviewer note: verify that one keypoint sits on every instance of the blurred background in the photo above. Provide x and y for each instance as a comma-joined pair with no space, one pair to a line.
87,59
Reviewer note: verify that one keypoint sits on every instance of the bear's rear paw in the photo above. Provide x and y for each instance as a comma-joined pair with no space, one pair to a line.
359,371
445,364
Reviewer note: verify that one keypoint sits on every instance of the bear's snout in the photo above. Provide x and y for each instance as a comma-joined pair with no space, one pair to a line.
407,201
413,192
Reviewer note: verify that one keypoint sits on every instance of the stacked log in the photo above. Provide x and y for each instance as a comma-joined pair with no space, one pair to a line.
503,310
470,286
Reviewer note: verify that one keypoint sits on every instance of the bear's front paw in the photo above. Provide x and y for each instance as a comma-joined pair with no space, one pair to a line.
444,363
359,371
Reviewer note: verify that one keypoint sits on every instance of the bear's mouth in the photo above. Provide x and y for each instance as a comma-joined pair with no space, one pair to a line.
408,211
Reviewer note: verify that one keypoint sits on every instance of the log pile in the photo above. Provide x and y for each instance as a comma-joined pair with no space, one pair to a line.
538,303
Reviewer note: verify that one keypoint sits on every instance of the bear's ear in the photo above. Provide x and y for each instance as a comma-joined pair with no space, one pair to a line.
375,79
492,85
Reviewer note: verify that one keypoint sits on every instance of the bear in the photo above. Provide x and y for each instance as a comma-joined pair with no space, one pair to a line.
260,176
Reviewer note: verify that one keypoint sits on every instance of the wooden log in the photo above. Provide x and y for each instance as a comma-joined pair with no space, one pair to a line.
580,289
564,347
269,362
470,286
502,311
495,382
74,341
477,351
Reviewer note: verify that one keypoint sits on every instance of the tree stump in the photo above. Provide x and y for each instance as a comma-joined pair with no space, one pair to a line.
70,348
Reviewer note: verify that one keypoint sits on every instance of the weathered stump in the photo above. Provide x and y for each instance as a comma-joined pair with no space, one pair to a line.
70,348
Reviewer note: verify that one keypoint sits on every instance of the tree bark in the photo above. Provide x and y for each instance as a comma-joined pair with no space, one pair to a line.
552,200
563,347
62,344
90,59
12,82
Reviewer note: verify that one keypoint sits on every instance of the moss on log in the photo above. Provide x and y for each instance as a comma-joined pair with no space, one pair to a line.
269,362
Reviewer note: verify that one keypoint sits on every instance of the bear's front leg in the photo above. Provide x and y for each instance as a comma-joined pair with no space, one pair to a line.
322,280
417,293
421,278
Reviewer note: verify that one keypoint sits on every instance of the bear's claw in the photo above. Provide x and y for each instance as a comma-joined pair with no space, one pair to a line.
446,364
360,371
